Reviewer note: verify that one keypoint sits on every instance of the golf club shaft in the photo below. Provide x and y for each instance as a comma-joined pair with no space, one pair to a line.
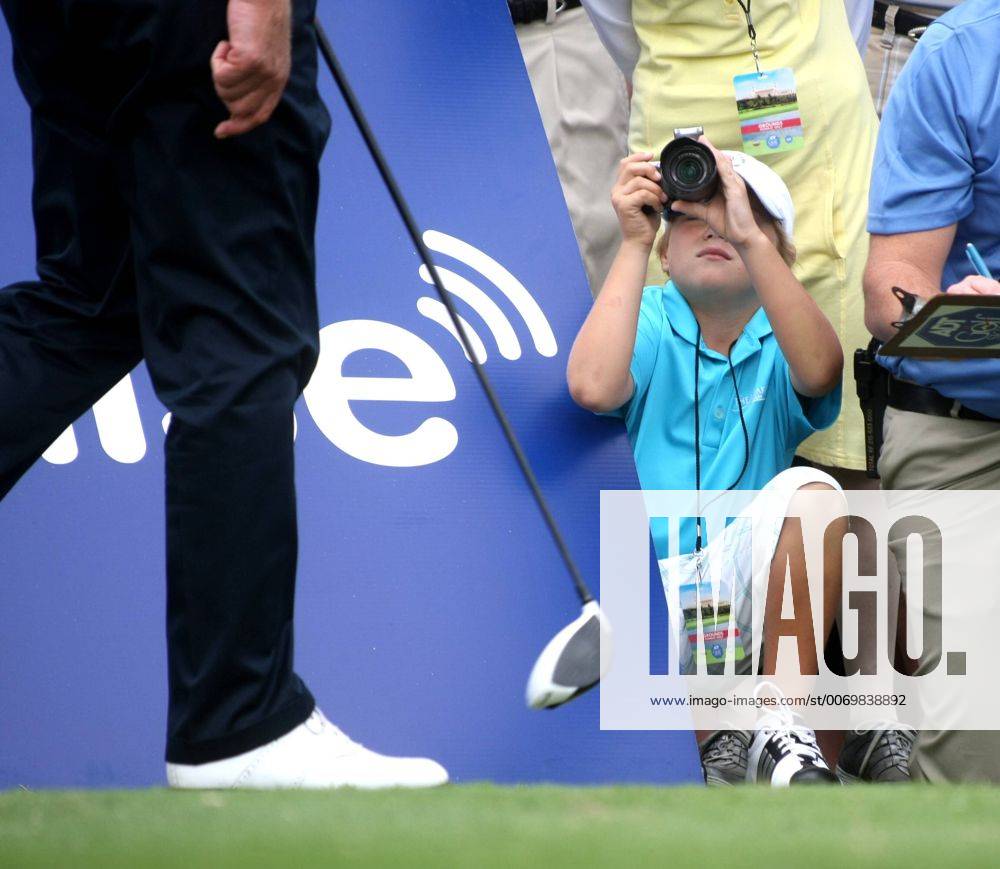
411,227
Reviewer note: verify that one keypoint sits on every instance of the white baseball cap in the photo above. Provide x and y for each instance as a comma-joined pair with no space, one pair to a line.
770,189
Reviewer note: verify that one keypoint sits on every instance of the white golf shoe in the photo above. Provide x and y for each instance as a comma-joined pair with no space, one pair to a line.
315,755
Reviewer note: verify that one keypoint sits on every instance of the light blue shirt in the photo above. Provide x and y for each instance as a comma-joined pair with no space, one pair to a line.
659,417
938,163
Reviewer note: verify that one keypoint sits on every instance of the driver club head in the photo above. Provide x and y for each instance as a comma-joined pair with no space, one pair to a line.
571,663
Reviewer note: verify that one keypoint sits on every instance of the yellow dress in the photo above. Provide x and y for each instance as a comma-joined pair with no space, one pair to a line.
689,52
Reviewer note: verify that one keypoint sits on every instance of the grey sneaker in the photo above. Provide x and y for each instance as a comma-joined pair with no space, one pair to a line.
877,754
724,758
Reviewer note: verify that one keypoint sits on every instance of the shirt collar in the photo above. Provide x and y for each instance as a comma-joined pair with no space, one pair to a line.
685,326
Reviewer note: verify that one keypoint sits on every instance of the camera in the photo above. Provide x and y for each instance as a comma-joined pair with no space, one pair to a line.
687,169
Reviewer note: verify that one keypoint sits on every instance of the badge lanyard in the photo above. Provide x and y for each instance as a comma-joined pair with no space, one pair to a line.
766,103
698,555
697,440
751,32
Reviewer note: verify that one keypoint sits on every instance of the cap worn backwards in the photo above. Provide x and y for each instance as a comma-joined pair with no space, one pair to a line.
770,189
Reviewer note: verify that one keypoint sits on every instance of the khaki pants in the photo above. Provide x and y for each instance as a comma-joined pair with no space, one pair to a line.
584,108
887,53
931,452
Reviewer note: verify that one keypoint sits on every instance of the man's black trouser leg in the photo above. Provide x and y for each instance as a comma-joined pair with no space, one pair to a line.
211,279
68,337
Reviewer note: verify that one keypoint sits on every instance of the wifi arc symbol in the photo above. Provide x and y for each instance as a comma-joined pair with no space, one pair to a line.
488,310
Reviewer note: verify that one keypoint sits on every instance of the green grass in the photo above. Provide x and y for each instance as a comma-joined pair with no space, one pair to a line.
485,825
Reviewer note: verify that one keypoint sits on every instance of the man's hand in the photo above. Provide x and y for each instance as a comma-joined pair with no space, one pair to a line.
976,285
250,69
638,184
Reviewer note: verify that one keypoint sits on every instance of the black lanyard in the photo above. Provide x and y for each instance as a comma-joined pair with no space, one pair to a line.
751,32
697,432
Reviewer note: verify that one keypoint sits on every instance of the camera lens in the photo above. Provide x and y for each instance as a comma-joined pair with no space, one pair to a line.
688,170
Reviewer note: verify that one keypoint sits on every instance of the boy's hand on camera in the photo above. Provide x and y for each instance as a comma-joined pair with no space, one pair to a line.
638,184
728,213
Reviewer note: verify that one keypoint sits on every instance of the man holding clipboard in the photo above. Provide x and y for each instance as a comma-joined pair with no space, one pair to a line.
936,191
954,325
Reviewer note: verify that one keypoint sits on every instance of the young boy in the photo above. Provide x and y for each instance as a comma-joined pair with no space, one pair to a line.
734,320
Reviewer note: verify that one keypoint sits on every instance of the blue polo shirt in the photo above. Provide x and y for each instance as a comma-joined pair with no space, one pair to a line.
659,417
938,163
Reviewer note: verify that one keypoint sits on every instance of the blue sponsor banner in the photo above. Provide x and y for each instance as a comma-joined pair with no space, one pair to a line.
427,581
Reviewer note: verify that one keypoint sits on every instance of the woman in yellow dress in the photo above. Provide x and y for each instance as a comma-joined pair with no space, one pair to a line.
681,57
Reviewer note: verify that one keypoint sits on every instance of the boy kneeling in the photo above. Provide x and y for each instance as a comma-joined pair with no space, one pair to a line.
719,376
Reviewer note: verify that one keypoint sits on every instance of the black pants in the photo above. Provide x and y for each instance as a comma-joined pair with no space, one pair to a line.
155,241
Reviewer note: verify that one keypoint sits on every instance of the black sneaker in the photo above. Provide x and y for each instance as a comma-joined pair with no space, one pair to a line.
784,752
876,755
724,758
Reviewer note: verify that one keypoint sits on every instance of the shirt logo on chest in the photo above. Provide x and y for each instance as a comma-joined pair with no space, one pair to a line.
759,394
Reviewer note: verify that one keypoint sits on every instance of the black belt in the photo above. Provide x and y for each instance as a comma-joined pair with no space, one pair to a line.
526,11
905,21
921,399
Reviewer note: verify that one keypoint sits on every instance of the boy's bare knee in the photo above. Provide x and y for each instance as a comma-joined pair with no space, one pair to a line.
830,511
816,487
801,501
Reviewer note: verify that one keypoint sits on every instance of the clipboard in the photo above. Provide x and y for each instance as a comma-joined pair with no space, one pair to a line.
950,326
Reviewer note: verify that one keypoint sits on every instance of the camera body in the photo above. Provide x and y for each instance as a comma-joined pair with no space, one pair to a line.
687,169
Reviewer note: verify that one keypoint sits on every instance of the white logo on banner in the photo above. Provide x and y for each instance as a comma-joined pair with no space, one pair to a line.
482,304
330,392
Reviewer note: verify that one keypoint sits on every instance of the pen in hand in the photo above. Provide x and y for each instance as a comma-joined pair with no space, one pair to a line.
912,304
978,263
